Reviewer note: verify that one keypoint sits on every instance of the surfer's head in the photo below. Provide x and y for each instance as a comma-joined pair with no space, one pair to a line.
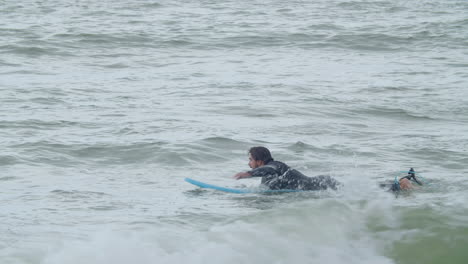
259,156
405,184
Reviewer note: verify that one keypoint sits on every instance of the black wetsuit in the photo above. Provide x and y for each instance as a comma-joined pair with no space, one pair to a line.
277,175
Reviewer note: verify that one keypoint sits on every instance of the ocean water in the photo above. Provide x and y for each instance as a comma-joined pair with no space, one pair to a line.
106,106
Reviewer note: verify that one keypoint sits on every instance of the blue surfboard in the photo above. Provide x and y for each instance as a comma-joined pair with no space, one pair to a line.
233,190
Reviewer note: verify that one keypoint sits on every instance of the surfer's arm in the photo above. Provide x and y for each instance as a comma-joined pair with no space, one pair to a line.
241,175
257,172
263,171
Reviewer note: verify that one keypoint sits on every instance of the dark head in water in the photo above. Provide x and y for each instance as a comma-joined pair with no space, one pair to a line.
259,156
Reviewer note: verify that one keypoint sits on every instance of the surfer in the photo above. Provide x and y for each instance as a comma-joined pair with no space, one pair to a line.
405,183
277,175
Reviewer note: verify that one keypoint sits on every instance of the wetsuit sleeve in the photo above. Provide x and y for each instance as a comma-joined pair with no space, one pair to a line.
263,171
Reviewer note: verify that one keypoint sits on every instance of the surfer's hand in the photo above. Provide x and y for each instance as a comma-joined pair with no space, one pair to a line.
241,175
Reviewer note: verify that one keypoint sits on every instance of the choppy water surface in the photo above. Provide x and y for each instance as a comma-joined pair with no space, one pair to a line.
106,106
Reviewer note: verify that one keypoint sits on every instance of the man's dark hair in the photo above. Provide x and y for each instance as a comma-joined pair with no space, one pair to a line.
261,153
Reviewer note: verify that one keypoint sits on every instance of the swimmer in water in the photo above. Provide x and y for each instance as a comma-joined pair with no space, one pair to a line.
405,183
277,175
